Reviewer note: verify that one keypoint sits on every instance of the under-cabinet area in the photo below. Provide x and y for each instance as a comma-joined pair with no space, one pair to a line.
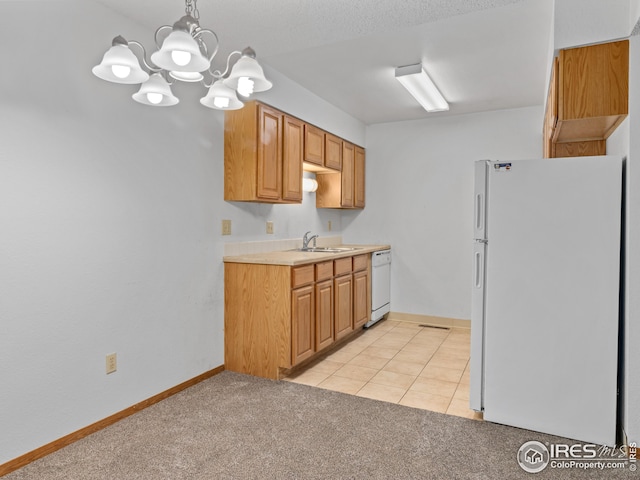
282,314
267,150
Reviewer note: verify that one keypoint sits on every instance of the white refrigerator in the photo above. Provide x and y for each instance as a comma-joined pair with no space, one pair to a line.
546,301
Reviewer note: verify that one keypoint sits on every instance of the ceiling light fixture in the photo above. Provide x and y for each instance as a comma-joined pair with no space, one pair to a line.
418,83
182,55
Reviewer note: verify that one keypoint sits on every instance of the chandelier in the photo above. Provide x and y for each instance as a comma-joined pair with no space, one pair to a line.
182,55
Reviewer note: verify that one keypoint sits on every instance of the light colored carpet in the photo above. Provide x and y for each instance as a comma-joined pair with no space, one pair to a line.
235,426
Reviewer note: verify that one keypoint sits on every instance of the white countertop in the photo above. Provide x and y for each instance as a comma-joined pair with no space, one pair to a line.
296,257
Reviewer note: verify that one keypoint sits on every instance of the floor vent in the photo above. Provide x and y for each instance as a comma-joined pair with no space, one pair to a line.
434,326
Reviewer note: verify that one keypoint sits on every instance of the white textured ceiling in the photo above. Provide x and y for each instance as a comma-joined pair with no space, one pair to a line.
483,55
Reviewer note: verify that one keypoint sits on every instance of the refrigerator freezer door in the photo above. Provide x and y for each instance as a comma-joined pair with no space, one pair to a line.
477,327
551,297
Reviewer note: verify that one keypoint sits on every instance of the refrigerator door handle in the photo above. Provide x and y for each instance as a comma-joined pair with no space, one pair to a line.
480,199
476,381
479,212
478,270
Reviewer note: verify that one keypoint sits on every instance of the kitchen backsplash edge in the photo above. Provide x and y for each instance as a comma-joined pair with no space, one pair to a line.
263,246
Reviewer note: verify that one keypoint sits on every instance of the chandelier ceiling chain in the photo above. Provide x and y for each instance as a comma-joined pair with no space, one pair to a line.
183,55
191,8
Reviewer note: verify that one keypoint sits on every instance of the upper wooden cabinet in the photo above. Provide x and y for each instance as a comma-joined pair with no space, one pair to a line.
551,113
358,178
263,150
266,151
322,150
345,189
333,152
292,150
313,145
347,180
588,99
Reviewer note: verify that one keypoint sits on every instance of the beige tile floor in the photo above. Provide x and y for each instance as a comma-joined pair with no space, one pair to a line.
400,362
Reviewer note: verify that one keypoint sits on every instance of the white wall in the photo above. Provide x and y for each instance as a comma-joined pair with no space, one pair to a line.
581,22
110,215
420,200
634,13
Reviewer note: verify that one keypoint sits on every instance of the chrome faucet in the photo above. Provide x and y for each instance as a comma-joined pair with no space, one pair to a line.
306,240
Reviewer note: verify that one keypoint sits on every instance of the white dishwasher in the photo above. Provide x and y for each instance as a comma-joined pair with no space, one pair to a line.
380,285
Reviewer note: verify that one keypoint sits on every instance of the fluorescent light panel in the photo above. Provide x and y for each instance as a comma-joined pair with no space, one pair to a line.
418,83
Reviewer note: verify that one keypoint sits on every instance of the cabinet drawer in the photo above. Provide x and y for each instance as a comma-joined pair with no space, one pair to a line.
342,266
301,276
324,271
360,262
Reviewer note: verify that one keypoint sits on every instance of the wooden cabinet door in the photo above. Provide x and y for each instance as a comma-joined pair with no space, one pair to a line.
359,175
551,113
348,160
343,305
313,145
269,153
292,145
302,324
360,287
324,314
594,80
332,152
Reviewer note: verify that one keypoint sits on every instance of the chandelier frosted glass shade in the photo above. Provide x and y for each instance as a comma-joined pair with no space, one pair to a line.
221,97
156,92
246,70
120,65
181,53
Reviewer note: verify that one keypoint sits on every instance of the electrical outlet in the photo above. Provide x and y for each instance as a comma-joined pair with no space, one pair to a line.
270,228
226,227
112,363
329,225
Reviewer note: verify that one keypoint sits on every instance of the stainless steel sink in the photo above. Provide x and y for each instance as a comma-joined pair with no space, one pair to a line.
328,249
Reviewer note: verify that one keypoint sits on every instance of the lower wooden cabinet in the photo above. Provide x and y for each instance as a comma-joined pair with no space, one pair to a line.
303,343
278,316
361,309
324,314
343,292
